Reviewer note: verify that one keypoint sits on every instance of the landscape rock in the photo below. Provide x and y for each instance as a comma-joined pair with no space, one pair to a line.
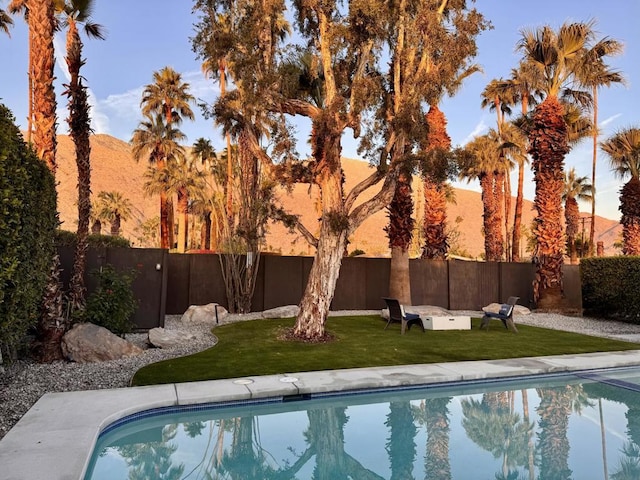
285,311
162,338
495,308
87,342
204,313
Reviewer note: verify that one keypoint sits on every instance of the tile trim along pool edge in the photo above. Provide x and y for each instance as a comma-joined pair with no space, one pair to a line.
55,438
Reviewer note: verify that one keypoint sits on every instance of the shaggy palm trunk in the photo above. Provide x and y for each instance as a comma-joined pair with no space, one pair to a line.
205,231
51,325
491,218
548,146
436,245
115,225
332,241
96,228
572,218
41,20
79,130
401,446
630,220
436,242
496,220
592,231
517,219
183,208
437,463
400,232
553,413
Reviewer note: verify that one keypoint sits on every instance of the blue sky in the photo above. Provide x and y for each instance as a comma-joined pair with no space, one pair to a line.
146,35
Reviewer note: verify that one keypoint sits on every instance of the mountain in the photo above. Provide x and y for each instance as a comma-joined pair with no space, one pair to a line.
113,169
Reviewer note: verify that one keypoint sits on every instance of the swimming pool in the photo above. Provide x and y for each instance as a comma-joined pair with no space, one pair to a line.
56,437
551,427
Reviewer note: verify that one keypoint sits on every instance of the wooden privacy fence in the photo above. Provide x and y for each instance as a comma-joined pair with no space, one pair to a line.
170,283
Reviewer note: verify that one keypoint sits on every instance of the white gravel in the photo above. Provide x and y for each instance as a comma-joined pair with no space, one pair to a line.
24,382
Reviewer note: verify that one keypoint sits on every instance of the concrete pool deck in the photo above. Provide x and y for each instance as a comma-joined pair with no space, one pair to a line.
56,437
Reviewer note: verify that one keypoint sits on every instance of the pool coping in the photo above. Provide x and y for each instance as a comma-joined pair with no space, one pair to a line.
57,435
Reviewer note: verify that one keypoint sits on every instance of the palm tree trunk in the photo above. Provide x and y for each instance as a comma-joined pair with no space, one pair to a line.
183,206
517,218
41,19
548,146
593,172
400,233
436,244
79,128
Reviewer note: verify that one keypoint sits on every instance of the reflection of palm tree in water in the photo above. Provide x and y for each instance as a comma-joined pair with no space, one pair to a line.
494,426
400,445
153,459
553,445
434,413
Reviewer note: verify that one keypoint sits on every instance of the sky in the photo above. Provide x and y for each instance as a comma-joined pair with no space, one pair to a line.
143,36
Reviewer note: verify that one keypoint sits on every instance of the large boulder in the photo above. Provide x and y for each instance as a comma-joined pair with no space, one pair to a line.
204,314
285,311
518,309
87,342
162,338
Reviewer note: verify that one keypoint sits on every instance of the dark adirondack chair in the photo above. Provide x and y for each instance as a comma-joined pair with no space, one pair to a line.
505,314
397,314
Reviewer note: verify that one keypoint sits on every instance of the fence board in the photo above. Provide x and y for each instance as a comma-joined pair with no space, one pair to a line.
429,282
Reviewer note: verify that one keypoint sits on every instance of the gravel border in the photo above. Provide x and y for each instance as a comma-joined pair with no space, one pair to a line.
24,382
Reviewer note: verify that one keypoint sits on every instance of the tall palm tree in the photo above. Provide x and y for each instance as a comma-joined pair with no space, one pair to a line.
575,188
114,208
623,149
5,22
71,13
169,96
558,56
204,152
499,99
595,74
159,143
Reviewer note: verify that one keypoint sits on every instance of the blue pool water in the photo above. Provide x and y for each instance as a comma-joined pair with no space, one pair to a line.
571,426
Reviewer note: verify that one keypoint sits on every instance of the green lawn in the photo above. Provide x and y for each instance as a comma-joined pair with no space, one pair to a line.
252,348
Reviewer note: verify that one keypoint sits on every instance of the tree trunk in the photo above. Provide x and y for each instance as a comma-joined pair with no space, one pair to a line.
79,130
164,222
572,218
41,19
399,287
115,225
436,244
183,206
548,146
593,171
630,220
400,233
517,219
96,228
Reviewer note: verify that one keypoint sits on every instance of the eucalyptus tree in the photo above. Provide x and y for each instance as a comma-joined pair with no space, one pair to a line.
169,96
623,150
431,46
71,13
575,188
158,142
346,50
559,57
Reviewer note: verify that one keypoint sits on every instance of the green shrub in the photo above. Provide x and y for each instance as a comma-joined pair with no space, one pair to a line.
611,287
65,238
112,305
28,219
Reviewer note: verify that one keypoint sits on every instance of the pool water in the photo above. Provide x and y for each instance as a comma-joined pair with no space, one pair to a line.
570,426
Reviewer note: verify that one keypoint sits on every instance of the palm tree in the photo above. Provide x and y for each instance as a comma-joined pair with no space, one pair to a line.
72,13
575,188
499,99
486,163
623,149
5,22
595,74
203,151
179,178
114,208
558,56
168,96
158,142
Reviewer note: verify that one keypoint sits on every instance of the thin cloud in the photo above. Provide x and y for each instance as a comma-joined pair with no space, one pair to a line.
609,120
479,129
